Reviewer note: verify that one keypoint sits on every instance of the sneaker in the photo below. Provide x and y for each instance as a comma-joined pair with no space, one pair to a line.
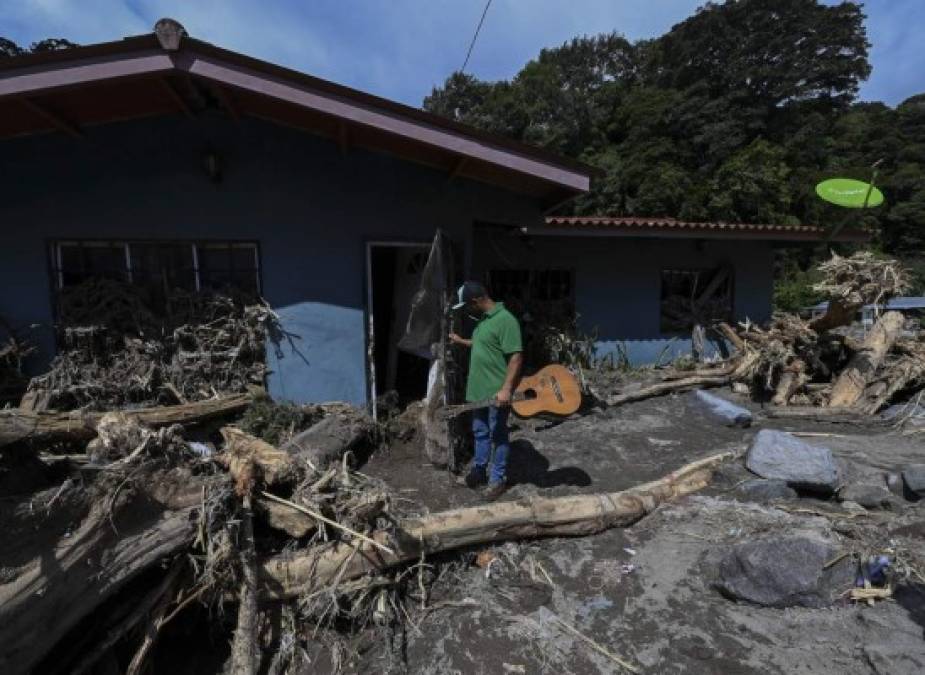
477,476
494,491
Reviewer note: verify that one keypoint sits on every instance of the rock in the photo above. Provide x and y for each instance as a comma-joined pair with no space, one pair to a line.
869,496
894,483
723,411
785,572
782,456
914,480
763,490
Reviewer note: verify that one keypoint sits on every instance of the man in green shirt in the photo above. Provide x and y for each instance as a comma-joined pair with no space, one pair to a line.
494,368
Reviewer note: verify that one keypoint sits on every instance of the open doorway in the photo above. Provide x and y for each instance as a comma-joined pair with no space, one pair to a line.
393,276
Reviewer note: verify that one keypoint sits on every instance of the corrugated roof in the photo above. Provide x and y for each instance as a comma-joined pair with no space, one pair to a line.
669,226
907,302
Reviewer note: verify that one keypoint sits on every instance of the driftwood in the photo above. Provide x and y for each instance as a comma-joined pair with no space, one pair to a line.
250,460
700,381
792,379
289,576
244,646
50,427
52,593
864,364
327,441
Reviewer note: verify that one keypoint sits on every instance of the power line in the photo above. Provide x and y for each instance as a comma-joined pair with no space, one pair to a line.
475,37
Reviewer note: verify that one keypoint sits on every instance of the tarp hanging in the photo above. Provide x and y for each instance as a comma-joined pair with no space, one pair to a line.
424,321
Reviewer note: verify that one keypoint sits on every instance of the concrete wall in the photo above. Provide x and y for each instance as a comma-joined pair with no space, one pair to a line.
310,207
618,281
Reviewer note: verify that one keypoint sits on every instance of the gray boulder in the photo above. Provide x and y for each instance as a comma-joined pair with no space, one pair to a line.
870,496
763,490
914,480
782,456
785,572
729,414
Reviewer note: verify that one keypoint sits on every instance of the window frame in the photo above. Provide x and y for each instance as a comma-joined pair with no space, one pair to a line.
731,282
58,272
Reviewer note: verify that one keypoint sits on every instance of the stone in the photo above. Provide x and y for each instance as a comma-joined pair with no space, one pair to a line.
726,413
914,480
763,490
869,496
785,572
778,455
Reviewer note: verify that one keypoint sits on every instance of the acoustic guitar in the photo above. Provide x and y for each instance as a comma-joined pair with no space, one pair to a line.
552,390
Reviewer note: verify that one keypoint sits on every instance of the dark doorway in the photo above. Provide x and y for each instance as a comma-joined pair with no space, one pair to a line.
394,275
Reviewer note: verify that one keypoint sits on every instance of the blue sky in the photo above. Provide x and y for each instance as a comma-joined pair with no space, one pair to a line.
400,49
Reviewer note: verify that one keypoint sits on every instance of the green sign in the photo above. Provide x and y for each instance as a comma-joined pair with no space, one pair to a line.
854,194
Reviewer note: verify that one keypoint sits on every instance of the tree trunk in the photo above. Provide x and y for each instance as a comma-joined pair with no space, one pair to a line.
71,578
791,380
244,646
838,314
667,387
864,364
49,427
288,576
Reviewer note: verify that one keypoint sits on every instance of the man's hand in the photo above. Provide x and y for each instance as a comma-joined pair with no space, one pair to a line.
456,340
503,397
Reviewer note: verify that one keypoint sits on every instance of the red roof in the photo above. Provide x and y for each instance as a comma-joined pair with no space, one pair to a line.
660,227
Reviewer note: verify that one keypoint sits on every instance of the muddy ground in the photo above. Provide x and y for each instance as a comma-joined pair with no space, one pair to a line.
647,593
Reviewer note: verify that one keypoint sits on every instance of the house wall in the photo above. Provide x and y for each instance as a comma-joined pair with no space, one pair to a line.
310,207
618,281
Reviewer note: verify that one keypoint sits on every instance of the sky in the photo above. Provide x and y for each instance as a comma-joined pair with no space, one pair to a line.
401,49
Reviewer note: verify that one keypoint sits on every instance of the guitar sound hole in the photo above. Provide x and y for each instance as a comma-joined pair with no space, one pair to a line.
529,394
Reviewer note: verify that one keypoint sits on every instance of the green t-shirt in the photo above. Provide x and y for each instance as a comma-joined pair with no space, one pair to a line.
495,338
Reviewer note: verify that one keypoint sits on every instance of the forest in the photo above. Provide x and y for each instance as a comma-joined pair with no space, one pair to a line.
734,114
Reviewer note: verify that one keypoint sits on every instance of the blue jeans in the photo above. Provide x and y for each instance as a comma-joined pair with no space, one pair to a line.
489,426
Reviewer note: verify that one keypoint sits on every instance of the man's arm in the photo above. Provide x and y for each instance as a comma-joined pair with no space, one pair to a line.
456,340
514,364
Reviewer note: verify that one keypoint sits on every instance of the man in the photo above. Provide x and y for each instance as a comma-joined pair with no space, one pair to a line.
494,368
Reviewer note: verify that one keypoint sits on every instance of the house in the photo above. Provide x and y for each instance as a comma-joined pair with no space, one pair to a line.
163,159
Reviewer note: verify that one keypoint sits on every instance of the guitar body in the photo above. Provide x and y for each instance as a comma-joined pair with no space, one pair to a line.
552,389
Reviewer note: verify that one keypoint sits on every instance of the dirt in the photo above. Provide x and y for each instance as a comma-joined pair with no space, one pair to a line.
646,593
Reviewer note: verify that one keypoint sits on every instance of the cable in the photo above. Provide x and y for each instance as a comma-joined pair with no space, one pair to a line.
475,37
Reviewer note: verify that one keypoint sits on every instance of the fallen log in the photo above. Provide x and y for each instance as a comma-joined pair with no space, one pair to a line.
289,576
663,388
326,442
53,592
49,427
791,380
864,364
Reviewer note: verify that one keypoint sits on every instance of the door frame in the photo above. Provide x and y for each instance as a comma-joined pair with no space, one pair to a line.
370,322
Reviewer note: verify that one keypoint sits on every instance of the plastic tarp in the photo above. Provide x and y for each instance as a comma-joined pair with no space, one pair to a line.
422,333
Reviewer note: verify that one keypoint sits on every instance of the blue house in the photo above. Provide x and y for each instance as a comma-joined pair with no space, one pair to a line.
161,158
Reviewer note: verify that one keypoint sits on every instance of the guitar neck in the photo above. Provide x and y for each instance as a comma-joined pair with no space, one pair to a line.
454,410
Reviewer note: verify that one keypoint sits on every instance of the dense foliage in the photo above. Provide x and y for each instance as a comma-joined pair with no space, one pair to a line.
735,114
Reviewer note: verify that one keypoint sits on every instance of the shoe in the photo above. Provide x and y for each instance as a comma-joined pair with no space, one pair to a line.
494,491
477,476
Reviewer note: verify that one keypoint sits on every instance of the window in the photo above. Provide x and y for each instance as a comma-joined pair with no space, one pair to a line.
691,297
160,266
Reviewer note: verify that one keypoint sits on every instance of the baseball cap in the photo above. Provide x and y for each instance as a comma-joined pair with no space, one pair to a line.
469,291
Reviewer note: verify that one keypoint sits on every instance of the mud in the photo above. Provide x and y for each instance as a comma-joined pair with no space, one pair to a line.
646,593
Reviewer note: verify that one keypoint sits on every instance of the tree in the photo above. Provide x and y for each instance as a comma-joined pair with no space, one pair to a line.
8,48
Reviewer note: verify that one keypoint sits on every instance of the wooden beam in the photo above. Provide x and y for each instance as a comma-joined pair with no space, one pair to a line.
175,96
225,102
457,168
54,119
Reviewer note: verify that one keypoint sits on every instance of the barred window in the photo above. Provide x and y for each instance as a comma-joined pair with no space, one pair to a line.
159,266
691,296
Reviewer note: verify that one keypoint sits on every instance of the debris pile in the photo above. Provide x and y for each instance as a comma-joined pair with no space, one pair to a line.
13,351
115,350
814,363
